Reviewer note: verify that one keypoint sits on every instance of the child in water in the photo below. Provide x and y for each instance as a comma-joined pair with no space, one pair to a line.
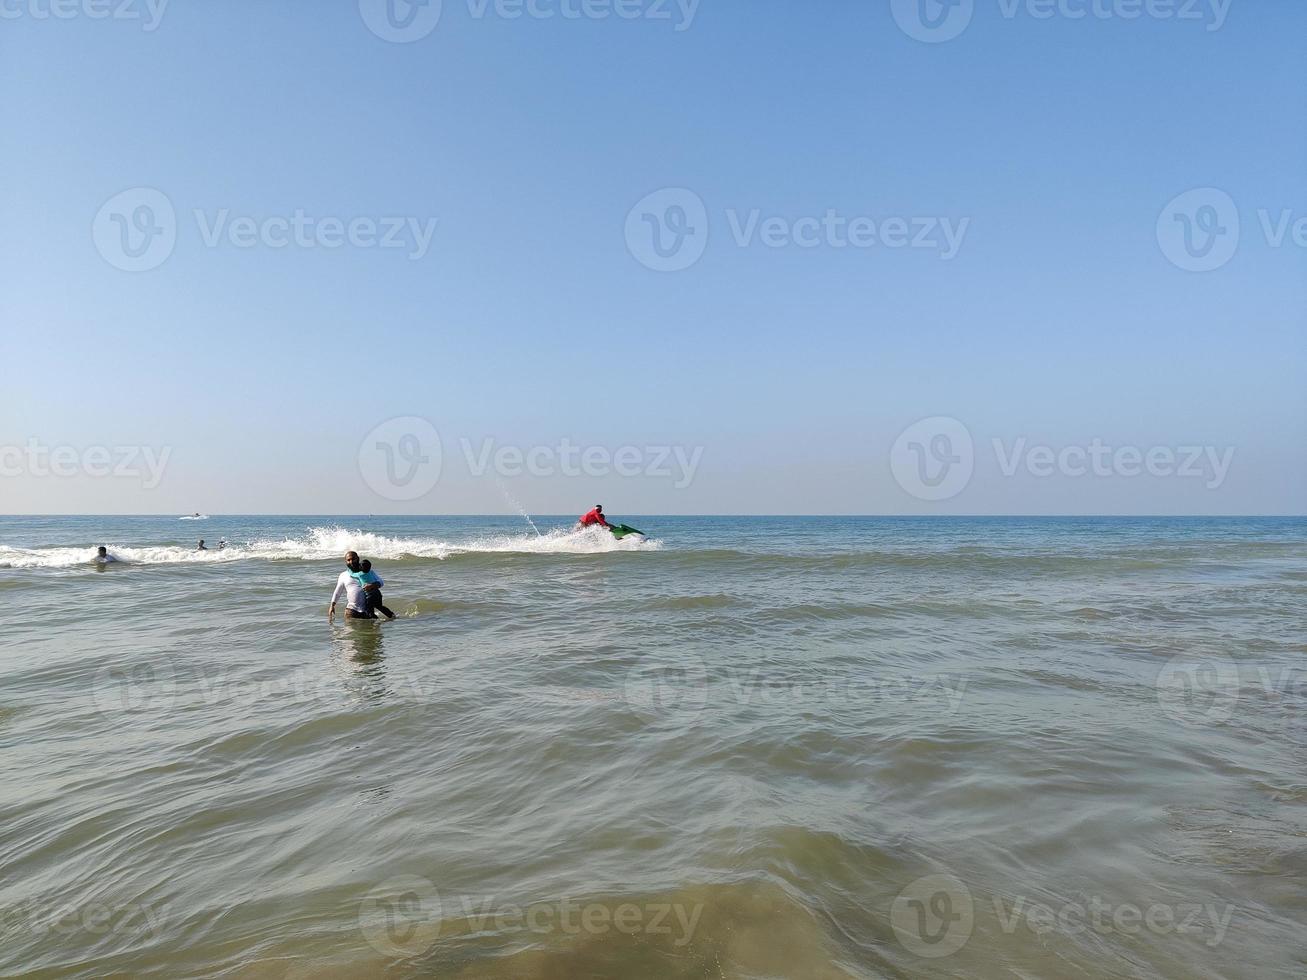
365,577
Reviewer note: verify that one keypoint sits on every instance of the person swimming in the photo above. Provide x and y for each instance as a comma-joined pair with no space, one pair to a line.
200,546
102,556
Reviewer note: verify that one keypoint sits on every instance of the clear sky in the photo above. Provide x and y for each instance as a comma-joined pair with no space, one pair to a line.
1038,291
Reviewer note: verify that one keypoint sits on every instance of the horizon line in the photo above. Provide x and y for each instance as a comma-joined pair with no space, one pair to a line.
652,514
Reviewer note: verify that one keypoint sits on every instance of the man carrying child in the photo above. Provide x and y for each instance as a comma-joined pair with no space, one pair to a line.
362,587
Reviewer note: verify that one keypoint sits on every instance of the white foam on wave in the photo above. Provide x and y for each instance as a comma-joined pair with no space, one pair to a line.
145,555
329,543
562,541
323,543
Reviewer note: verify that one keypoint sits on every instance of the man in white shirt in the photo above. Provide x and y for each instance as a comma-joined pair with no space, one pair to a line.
356,606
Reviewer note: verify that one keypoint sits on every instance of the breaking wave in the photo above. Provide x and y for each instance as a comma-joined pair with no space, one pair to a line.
328,544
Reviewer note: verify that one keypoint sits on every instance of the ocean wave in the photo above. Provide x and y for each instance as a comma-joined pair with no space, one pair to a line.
1076,563
678,603
328,544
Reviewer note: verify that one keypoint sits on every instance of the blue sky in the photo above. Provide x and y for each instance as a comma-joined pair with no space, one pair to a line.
1050,144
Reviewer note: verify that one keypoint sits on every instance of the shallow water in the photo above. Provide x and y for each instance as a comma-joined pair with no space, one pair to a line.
746,747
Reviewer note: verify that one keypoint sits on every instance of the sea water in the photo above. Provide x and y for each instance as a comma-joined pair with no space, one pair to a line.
739,747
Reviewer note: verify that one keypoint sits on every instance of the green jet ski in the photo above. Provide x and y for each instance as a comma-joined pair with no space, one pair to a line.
622,530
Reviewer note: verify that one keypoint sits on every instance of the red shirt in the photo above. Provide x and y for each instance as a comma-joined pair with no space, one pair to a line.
593,517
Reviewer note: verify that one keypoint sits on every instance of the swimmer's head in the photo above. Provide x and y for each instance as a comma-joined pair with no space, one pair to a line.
102,551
